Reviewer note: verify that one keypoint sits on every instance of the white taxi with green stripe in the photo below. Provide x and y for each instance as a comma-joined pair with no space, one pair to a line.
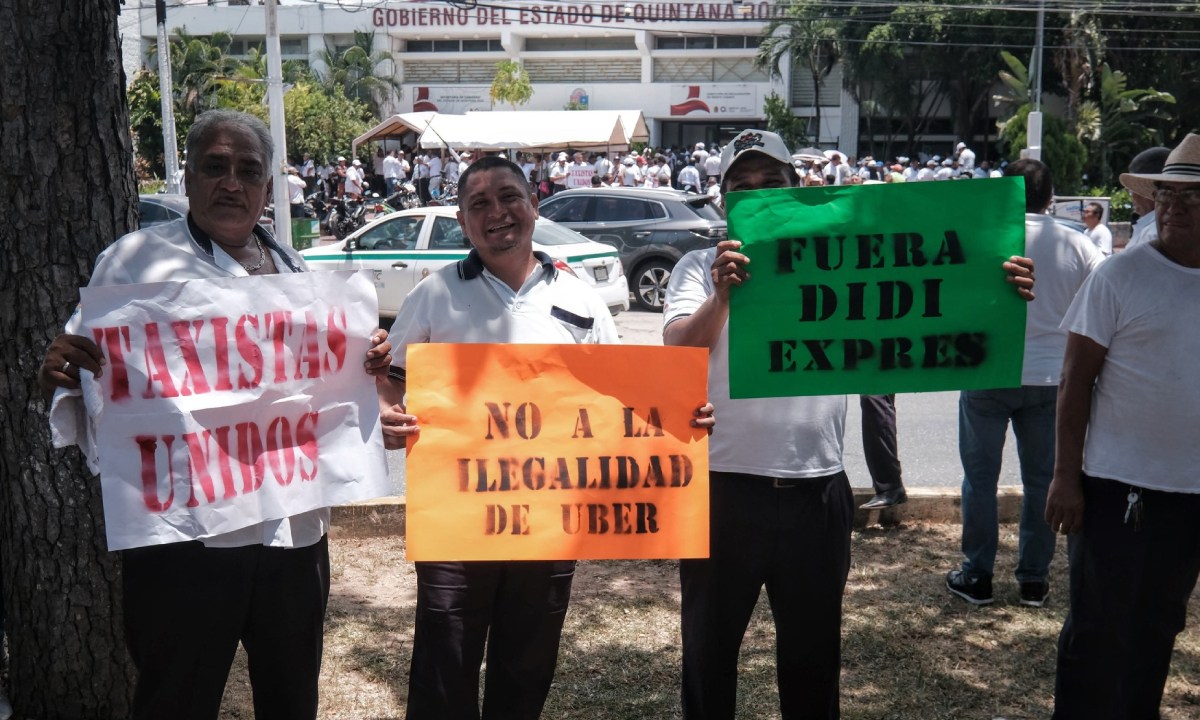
402,248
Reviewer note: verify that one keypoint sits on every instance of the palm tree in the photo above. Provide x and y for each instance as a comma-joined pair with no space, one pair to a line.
1018,87
357,70
810,39
198,64
1123,122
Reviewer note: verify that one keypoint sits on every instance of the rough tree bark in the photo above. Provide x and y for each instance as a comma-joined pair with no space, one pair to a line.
66,191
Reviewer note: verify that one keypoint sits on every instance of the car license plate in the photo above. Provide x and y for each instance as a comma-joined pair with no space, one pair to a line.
601,273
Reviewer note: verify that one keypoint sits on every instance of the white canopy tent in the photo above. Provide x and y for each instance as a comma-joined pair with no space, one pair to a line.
543,130
537,130
397,126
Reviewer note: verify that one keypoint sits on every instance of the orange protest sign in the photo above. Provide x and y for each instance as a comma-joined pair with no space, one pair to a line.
540,452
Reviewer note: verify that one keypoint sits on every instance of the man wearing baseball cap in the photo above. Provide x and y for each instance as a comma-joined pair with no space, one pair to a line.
1125,481
781,505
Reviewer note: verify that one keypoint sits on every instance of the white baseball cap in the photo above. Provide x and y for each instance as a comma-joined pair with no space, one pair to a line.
562,156
341,159
357,162
763,142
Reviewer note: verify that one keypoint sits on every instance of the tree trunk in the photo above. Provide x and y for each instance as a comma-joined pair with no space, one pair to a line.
66,191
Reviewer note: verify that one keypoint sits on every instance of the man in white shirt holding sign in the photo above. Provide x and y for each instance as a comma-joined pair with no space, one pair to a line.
780,501
503,292
187,605
579,173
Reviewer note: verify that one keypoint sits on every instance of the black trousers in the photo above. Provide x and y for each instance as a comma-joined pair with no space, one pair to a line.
880,447
795,540
188,606
1130,584
514,608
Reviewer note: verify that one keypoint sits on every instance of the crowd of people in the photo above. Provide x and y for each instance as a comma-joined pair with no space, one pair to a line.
1104,417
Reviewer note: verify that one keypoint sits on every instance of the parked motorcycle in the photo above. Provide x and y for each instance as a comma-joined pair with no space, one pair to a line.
447,194
350,214
406,197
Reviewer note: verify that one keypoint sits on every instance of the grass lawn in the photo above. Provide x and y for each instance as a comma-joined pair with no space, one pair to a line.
911,651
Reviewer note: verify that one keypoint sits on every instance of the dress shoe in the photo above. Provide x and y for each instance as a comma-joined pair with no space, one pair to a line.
885,500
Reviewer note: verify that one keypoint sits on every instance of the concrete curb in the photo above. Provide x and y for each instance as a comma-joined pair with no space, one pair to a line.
386,516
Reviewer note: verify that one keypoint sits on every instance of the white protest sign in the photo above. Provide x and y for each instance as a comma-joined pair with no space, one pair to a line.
228,402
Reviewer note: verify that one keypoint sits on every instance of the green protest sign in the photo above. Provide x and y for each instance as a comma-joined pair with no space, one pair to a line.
877,289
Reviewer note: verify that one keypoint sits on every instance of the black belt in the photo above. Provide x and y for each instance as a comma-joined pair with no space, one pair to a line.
784,483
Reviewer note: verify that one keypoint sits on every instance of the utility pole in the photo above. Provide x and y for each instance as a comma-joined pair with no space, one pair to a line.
280,188
170,151
1033,129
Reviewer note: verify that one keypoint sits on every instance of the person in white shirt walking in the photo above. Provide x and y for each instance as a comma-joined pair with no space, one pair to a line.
1097,231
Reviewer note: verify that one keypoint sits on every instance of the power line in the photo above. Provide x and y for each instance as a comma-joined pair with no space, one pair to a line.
1147,9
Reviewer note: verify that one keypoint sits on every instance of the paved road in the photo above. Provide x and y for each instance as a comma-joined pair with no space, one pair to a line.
928,427
927,422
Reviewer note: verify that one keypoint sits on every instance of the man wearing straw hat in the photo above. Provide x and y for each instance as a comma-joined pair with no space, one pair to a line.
1125,480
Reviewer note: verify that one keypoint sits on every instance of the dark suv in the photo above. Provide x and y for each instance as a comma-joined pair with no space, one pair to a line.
650,228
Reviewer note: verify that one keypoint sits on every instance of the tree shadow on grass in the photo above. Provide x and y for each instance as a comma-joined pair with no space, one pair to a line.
911,651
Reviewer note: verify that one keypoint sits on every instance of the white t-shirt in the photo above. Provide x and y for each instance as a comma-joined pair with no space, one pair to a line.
966,159
435,166
1102,237
1146,404
354,180
630,176
391,168
662,175
295,189
839,173
559,174
689,175
789,437
1062,259
1145,230
712,165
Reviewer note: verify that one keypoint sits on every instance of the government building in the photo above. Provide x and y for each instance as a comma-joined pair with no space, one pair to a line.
687,66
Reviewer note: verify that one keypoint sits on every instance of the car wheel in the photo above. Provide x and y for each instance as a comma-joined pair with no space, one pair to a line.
650,284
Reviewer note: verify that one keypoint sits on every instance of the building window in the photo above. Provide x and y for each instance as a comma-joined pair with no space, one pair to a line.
571,70
696,69
707,42
293,46
289,48
453,46
739,42
449,72
584,44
